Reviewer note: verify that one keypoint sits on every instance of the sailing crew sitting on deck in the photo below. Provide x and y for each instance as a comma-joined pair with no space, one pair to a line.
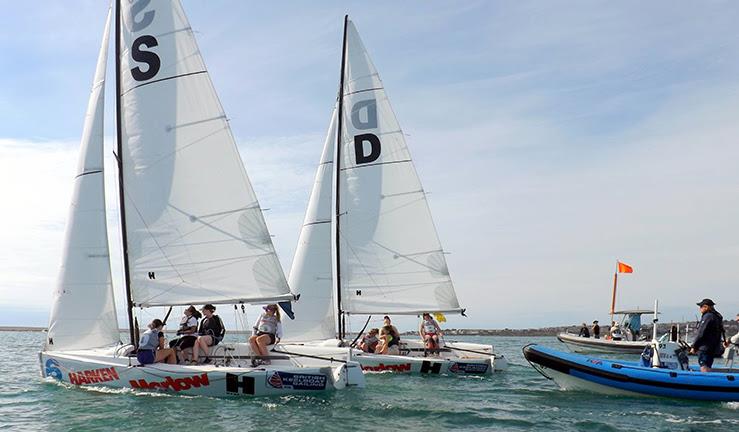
267,330
430,332
616,332
386,322
388,342
210,333
584,331
369,341
707,343
734,339
188,332
151,346
596,329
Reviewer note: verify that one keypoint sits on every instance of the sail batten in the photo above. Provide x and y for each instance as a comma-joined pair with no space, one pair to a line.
195,231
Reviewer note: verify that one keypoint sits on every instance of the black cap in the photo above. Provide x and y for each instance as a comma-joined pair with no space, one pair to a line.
706,302
595,322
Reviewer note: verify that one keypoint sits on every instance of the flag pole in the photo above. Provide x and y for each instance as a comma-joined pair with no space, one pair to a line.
613,298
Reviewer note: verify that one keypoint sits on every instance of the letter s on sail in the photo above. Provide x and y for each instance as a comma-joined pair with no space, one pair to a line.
145,21
148,57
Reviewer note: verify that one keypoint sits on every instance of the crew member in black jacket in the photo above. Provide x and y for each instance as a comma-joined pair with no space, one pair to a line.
708,341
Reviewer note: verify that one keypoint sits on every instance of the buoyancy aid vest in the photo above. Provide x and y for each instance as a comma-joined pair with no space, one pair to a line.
268,324
429,327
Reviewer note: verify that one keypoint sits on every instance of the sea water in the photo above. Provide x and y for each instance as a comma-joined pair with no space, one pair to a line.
518,399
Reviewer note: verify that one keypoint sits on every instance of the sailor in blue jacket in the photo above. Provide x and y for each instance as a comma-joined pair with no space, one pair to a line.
708,340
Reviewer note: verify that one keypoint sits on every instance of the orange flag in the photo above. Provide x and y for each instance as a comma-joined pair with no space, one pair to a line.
624,268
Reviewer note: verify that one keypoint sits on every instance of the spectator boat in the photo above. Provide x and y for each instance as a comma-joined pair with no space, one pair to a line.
630,327
664,370
192,229
615,377
368,245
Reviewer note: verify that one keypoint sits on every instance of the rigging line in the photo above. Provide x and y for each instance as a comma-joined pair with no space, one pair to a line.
366,271
252,206
182,236
164,79
183,147
218,260
197,122
373,217
265,249
151,235
376,164
407,257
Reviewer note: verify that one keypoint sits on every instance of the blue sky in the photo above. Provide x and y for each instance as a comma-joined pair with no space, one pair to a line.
554,138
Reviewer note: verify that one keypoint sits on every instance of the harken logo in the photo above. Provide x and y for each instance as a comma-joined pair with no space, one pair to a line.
174,384
93,376
52,369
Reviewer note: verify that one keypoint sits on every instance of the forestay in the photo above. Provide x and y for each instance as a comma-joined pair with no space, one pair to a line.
195,231
312,266
83,311
391,260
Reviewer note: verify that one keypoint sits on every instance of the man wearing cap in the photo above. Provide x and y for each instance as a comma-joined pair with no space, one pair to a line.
596,329
707,343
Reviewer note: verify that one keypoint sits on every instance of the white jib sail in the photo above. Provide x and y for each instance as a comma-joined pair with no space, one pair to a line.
312,268
391,260
196,233
83,312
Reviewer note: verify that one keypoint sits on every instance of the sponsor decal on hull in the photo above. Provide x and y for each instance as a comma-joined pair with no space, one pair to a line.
286,380
93,376
52,370
469,368
174,384
404,367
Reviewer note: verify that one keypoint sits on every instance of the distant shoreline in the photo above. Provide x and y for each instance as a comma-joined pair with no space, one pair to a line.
730,326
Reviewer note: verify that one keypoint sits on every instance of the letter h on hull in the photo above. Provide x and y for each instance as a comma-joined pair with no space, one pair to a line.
233,384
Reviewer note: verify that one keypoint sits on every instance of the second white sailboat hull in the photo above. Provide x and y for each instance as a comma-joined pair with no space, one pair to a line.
469,359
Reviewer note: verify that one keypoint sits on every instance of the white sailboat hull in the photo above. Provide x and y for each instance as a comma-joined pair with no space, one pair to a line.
450,362
591,345
225,378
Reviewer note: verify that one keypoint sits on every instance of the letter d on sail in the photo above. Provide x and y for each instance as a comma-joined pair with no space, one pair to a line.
367,107
374,152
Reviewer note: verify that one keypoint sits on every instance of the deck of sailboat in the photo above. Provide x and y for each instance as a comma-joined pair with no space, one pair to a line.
454,358
101,367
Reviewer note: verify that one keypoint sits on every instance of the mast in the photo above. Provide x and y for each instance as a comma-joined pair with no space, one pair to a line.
121,203
337,171
613,298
